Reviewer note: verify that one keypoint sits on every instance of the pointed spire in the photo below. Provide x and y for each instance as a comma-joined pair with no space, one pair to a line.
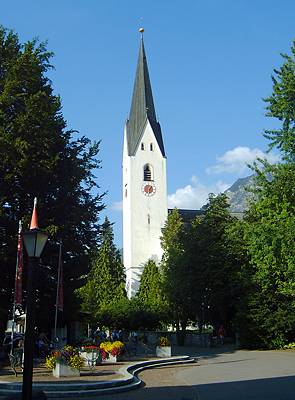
142,106
34,219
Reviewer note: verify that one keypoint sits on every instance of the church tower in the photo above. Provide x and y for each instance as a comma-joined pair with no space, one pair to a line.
144,180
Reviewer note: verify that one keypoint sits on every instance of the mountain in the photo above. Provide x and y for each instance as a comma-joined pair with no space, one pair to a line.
238,194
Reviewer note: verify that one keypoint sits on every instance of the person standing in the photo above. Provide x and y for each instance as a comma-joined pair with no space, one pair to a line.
221,334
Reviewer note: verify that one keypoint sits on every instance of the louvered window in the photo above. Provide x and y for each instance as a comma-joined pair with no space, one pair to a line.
147,173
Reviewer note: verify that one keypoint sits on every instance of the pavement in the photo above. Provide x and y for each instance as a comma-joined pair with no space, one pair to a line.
223,373
88,385
42,374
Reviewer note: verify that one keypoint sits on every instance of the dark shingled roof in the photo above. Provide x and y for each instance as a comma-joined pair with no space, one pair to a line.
189,215
142,107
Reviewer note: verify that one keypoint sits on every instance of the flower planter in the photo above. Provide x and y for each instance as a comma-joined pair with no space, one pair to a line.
163,351
62,370
91,358
110,359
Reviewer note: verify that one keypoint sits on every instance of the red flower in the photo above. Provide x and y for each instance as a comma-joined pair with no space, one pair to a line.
104,354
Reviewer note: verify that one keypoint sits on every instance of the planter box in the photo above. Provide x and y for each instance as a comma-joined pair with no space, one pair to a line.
110,359
163,351
61,370
92,358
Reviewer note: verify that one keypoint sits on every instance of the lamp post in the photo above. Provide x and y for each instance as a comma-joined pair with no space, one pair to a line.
34,241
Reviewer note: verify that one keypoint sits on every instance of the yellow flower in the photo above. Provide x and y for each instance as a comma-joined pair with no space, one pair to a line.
50,362
76,362
163,341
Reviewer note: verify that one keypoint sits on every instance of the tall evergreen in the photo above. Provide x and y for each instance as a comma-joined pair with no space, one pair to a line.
105,283
281,105
150,292
39,157
177,282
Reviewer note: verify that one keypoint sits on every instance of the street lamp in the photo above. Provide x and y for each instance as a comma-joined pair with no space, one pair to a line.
34,241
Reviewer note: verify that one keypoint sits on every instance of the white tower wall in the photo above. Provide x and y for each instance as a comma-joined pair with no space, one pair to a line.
143,215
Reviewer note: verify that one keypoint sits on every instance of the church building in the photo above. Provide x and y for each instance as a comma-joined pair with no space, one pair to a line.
144,180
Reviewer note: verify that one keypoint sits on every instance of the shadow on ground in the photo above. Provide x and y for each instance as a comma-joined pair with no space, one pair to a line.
281,388
204,352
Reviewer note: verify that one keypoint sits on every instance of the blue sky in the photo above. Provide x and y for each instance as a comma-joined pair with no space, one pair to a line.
210,65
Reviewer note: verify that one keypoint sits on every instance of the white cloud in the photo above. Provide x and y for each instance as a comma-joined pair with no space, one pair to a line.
236,160
195,195
117,206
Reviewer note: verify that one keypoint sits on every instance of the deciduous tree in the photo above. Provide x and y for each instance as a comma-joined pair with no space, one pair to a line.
269,317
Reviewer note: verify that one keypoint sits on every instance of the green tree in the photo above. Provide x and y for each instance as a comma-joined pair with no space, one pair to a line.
177,283
128,315
38,157
214,263
150,289
105,283
150,294
281,105
269,314
269,234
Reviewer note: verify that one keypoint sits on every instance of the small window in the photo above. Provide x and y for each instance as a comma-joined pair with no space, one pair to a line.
149,219
125,192
142,146
151,147
147,173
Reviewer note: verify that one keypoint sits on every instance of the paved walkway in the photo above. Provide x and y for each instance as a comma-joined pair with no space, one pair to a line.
220,374
243,375
41,374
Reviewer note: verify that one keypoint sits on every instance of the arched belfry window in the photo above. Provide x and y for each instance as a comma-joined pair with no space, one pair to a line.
151,147
148,173
142,146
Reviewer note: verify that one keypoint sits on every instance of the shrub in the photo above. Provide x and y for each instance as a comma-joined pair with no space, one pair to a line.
289,346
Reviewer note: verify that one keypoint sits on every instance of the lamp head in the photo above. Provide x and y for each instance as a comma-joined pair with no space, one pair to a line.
34,241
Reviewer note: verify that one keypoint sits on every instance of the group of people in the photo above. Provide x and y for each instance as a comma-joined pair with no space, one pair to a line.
99,336
42,346
218,335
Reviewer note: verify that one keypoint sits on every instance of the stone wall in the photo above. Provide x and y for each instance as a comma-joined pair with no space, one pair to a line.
191,339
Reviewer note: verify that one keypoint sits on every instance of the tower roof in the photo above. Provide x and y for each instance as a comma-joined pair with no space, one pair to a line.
142,107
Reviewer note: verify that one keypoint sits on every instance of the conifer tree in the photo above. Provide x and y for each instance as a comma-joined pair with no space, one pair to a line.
177,286
150,292
39,158
105,283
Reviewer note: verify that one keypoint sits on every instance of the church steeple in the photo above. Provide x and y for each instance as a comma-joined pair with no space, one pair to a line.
144,180
142,107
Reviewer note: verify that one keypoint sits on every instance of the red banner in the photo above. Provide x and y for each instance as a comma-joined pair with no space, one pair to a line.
18,294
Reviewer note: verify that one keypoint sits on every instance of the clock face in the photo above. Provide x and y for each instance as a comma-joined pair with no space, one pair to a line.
149,189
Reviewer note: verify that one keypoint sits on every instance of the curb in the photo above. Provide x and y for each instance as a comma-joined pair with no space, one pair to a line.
74,390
